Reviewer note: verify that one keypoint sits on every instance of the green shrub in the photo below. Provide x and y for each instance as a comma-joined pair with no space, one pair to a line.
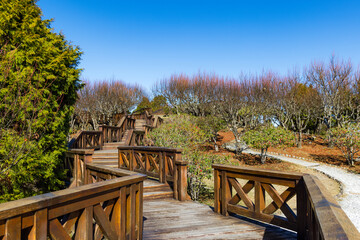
347,139
268,136
182,132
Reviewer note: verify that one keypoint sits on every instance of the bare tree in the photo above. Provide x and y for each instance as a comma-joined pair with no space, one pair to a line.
300,103
333,84
101,101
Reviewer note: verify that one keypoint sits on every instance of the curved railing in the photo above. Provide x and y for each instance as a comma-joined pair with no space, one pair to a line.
111,209
317,215
164,164
106,134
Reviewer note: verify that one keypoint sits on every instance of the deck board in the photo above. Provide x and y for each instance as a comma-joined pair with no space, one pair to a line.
172,219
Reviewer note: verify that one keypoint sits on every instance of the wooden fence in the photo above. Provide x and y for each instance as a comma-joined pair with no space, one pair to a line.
106,134
318,215
164,164
110,208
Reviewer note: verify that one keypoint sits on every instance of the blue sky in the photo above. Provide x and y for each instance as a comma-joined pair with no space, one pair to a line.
145,41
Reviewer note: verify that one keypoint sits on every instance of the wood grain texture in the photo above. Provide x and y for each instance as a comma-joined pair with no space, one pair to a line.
171,219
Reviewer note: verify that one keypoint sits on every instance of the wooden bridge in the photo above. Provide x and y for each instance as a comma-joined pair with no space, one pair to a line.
144,196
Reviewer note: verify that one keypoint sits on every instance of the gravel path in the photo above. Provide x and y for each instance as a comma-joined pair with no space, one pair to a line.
350,183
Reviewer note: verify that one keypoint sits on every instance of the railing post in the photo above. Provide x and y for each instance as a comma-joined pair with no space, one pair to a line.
259,197
81,157
101,137
302,210
161,167
131,160
217,197
39,229
183,182
225,193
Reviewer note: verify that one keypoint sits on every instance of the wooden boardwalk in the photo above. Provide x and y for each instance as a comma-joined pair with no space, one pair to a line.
172,219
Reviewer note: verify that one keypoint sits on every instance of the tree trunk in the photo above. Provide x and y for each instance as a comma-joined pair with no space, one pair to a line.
263,155
215,144
299,144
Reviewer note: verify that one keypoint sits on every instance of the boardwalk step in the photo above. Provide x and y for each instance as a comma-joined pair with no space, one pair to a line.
158,195
157,188
114,143
110,152
106,163
107,157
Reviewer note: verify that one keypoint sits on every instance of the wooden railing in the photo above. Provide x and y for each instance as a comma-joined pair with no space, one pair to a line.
112,209
164,164
88,140
96,139
75,162
318,215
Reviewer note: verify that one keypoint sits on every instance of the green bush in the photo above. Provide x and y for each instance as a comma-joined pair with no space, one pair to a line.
38,83
182,132
347,139
268,136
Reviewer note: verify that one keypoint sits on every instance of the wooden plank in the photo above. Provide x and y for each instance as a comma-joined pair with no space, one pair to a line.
131,218
139,211
69,225
225,193
150,149
262,217
84,228
290,215
259,197
183,183
123,209
247,188
63,197
56,231
238,188
329,218
259,172
13,228
39,229
103,221
72,207
217,191
264,179
301,210
286,195
172,219
116,216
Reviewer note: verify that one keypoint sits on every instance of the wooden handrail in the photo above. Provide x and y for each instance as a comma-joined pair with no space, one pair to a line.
107,134
318,215
115,206
324,218
162,163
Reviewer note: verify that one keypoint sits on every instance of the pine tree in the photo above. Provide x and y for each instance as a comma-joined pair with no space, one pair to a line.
39,77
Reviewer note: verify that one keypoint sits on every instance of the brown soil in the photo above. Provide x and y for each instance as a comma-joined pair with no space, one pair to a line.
274,164
313,148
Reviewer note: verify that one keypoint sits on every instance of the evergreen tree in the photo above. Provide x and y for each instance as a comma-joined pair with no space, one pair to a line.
38,79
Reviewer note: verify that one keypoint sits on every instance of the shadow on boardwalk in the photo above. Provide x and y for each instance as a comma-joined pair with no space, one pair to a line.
171,219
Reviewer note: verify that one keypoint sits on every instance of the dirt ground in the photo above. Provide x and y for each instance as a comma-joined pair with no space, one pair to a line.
314,148
254,161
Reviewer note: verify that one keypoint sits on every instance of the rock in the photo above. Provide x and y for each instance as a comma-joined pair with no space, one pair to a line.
231,146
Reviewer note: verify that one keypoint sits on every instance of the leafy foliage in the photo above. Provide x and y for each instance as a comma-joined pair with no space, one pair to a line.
182,132
157,103
211,125
347,139
268,136
39,79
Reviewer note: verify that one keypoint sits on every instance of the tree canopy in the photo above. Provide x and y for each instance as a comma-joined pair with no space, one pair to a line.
39,78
